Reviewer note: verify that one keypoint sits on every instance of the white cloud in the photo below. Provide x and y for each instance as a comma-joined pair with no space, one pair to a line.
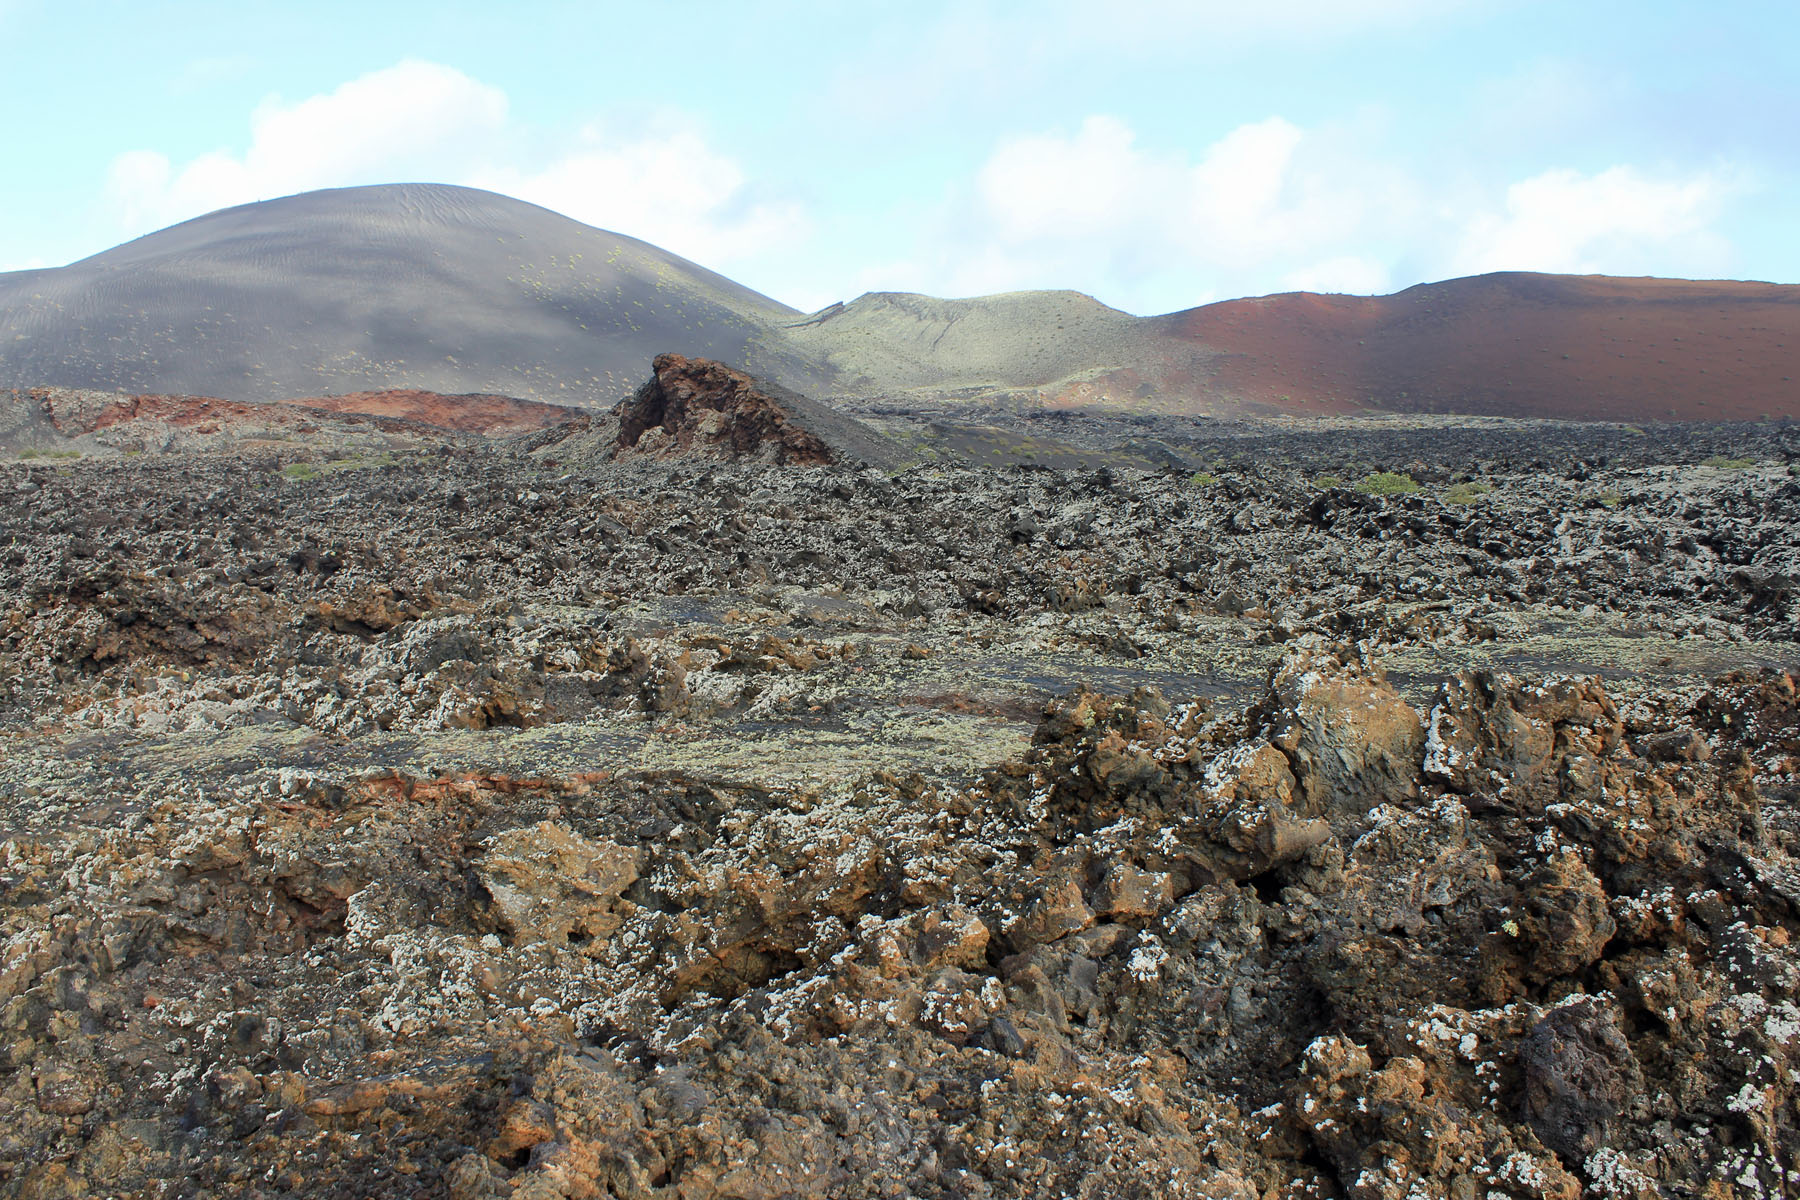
1615,221
1152,229
1238,195
378,128
1267,205
1273,206
428,122
1099,186
666,187
1050,186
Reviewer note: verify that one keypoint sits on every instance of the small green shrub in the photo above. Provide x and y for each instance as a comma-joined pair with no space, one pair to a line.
304,470
1328,481
1203,479
1728,464
1466,493
358,462
1387,483
1608,499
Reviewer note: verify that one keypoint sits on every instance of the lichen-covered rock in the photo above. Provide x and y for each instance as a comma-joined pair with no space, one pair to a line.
548,884
1351,740
1091,969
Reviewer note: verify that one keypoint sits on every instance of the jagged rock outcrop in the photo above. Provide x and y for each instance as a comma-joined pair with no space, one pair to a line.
701,408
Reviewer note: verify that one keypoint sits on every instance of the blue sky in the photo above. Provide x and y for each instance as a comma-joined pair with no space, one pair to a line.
1156,154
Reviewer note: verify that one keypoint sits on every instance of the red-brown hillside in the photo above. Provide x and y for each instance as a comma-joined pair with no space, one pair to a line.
476,413
50,416
1515,344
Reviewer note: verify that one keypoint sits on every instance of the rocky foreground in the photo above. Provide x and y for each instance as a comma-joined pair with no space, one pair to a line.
533,818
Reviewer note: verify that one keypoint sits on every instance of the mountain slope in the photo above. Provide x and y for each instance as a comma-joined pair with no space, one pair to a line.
424,287
905,342
1510,344
415,286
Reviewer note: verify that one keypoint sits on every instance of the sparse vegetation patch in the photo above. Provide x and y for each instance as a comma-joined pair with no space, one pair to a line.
1387,483
306,470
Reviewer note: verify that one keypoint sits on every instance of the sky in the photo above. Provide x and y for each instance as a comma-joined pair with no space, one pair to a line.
1156,154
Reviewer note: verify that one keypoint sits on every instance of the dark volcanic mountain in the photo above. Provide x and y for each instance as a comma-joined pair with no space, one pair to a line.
413,286
453,290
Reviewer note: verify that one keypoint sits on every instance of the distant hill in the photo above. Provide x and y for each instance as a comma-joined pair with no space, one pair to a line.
430,288
1511,344
908,343
408,286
